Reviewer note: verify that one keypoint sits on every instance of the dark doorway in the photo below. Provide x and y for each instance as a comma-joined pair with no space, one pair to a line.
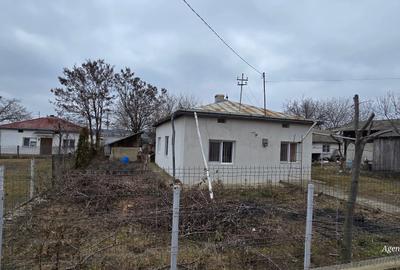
46,146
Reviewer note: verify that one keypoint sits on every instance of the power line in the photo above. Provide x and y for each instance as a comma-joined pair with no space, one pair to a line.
221,38
335,80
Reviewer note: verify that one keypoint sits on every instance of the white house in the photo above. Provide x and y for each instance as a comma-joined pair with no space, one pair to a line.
40,136
324,146
238,139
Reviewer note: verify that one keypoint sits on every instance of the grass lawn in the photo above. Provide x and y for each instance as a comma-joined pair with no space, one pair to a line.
17,179
371,185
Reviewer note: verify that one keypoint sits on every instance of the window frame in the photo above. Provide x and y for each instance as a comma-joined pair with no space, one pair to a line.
166,145
289,152
158,145
32,142
324,146
221,150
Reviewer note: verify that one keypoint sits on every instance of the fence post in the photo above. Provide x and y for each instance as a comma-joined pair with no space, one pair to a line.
175,227
17,151
307,244
1,209
32,182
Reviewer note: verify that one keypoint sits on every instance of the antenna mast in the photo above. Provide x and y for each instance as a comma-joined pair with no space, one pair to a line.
241,82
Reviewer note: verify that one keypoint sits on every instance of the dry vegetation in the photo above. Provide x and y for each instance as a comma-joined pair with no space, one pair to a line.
384,187
108,221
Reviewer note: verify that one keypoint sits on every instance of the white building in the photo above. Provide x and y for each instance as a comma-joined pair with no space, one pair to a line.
324,146
40,136
238,140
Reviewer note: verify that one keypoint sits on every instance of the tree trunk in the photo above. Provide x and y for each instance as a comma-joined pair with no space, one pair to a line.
351,203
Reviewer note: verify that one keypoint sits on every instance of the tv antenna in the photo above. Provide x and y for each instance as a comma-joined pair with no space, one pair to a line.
241,82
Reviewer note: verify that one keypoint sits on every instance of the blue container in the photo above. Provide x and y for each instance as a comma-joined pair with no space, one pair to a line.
125,160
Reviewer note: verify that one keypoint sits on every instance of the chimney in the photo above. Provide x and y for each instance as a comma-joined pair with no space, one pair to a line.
219,98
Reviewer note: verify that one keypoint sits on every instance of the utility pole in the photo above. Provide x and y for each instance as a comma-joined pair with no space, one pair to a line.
241,82
265,99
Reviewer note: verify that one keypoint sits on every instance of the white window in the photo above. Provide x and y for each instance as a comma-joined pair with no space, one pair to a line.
69,143
220,151
29,142
288,152
166,145
158,144
325,148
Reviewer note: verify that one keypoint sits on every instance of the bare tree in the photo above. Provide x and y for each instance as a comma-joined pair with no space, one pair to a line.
389,107
138,102
11,110
304,107
86,95
362,136
171,103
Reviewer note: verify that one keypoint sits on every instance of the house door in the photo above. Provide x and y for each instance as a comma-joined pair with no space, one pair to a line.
46,146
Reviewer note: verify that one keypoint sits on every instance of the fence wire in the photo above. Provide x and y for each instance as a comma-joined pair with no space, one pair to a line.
119,216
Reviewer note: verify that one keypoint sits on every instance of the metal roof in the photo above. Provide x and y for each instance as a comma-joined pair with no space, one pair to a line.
319,138
50,123
377,125
231,109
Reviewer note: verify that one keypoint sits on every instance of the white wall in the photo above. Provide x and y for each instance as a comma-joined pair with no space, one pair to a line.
247,136
11,138
367,154
317,149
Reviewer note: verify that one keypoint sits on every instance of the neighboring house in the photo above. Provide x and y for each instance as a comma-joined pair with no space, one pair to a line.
235,136
324,146
383,153
128,146
40,136
111,135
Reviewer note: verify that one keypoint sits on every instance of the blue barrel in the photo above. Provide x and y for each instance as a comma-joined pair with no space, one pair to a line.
125,160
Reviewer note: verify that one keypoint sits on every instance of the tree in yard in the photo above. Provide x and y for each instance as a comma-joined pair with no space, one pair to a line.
11,110
362,136
86,95
304,107
138,102
83,153
389,107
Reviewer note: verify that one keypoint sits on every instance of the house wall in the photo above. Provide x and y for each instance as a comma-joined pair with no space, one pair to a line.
317,149
386,154
367,154
11,138
248,149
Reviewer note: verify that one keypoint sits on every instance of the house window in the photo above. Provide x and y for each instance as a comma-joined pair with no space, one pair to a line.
68,143
288,151
29,142
158,144
326,148
285,125
166,145
220,151
221,120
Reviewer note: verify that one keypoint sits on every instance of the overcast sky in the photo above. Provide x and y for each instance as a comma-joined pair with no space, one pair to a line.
166,45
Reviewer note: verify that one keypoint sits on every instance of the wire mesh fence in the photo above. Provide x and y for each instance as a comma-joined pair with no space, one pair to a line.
119,216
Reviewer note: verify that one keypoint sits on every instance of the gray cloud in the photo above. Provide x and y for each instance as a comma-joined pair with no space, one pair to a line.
166,45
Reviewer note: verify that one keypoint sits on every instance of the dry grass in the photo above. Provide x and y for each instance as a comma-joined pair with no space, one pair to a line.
17,179
371,185
105,221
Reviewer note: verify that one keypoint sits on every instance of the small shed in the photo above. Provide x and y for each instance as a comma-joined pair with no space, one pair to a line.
129,146
386,151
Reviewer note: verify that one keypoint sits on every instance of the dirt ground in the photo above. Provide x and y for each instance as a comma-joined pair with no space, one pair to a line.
119,217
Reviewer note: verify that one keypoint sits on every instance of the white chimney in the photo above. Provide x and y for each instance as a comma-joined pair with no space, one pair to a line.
219,98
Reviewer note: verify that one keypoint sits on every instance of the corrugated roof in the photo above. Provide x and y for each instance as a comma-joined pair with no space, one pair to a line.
319,138
377,125
230,107
44,123
234,110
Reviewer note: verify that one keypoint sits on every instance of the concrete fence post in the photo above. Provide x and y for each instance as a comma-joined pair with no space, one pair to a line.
175,228
32,180
309,219
1,210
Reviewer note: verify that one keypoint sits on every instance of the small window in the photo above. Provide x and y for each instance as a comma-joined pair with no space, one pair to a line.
220,151
26,142
288,152
20,130
221,120
166,145
285,125
158,144
68,143
326,148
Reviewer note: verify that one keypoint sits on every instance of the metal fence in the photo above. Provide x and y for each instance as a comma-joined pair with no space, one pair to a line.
120,216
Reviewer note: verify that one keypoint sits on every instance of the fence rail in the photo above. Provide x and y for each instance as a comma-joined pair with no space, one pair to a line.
115,215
